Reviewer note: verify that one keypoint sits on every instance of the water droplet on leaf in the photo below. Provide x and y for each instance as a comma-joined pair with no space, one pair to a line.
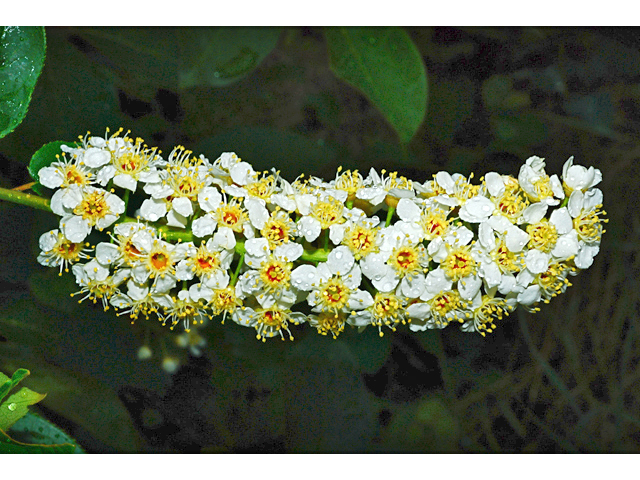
12,406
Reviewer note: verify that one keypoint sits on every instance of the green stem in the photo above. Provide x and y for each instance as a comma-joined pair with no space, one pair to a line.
237,272
21,198
390,213
319,255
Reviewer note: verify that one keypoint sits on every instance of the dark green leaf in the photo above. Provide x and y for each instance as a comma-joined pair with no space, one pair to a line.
22,51
386,66
8,445
222,55
33,429
72,96
45,156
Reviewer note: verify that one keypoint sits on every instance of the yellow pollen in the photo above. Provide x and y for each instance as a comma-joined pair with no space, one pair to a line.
360,240
459,264
327,212
92,207
588,225
334,295
543,235
407,259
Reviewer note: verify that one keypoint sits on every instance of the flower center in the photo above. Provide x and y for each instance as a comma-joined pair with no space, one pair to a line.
93,207
542,187
129,251
160,261
433,225
387,310
360,240
459,264
327,212
445,305
554,281
204,262
67,250
406,260
543,236
349,182
186,310
588,225
507,261
262,188
512,203
330,323
277,229
334,295
463,190
275,275
231,215
224,300
490,310
73,176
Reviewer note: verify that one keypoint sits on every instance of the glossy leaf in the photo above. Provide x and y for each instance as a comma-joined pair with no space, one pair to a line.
15,406
9,445
222,55
6,383
33,429
22,52
386,66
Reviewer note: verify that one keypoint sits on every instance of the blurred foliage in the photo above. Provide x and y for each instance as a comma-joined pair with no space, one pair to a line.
563,380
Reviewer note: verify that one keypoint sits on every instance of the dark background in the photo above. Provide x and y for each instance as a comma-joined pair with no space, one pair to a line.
563,380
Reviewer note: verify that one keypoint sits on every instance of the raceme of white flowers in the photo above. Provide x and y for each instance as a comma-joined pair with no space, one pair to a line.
217,238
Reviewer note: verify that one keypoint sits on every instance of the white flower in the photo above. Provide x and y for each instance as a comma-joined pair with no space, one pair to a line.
96,282
586,209
269,278
334,286
537,184
84,209
378,188
324,211
58,251
359,233
269,321
66,172
208,262
158,260
400,263
139,299
121,251
130,163
577,177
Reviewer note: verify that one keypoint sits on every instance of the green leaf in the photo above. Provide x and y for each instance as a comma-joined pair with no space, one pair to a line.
386,66
9,445
22,51
45,156
15,407
222,55
33,429
6,383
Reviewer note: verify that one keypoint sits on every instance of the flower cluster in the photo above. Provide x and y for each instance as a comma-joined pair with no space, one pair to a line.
216,238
